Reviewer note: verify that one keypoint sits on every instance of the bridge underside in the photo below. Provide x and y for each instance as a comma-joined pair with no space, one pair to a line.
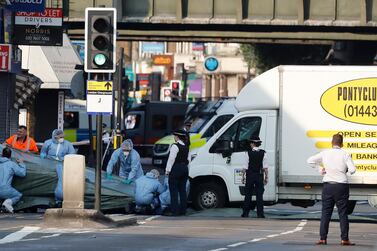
234,33
267,21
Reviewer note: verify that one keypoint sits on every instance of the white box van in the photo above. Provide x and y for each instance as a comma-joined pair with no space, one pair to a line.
295,110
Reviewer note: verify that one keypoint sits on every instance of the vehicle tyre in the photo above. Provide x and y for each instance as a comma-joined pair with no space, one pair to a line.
208,195
351,206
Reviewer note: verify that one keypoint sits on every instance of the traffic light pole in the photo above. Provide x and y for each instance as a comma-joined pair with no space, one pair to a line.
100,58
184,80
97,193
120,97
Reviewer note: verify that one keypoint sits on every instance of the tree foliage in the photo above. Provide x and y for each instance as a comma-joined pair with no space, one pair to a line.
263,57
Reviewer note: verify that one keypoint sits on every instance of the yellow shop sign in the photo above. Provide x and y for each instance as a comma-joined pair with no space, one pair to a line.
354,101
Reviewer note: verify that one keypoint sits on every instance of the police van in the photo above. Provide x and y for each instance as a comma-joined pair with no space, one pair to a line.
207,117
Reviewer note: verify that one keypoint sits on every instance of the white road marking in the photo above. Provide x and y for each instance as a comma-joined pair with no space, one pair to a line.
299,227
65,230
288,232
152,218
83,232
13,237
212,228
272,235
219,249
236,244
256,240
50,236
32,239
302,223
148,219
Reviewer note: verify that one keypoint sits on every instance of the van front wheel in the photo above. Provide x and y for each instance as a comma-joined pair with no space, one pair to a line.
208,195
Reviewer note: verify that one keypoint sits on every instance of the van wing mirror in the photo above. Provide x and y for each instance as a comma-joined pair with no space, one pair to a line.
223,146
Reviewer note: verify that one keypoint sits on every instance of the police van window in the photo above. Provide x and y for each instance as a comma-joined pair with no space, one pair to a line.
216,125
247,127
71,120
132,121
159,122
177,122
198,123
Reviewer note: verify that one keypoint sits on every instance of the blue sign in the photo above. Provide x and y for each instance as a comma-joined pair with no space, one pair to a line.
211,64
153,47
26,5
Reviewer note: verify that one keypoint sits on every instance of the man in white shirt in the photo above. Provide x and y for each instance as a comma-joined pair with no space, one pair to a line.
334,164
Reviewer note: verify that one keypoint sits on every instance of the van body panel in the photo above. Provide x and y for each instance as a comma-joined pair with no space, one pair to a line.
300,107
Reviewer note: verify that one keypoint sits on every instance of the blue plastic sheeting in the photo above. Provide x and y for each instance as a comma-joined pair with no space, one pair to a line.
40,182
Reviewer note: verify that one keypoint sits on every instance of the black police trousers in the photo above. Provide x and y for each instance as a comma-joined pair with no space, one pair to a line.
177,187
254,182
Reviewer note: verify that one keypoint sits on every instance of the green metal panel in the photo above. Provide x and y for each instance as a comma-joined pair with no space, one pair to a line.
320,9
225,9
199,8
259,9
136,8
286,9
165,8
348,10
77,8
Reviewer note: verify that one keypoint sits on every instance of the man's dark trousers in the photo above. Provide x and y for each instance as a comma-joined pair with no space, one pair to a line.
254,181
334,194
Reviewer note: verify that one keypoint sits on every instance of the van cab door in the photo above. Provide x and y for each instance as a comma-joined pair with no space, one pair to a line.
230,152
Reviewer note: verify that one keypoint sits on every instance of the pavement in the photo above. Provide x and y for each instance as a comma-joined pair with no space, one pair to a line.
285,228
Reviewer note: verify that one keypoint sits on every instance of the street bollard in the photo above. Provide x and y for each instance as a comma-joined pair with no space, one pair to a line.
73,181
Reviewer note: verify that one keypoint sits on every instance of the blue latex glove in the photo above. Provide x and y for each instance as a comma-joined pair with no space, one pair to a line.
109,176
127,181
43,155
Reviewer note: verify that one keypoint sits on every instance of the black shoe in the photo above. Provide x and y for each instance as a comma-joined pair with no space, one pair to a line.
245,215
261,216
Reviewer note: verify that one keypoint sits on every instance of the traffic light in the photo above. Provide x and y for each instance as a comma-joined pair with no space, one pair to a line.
100,40
175,86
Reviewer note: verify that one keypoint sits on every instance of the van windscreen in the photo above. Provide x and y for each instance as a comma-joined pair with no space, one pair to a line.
198,123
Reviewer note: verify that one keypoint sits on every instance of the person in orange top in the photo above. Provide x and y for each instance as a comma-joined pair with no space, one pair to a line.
22,141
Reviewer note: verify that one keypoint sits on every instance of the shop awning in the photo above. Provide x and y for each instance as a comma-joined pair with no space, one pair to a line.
54,65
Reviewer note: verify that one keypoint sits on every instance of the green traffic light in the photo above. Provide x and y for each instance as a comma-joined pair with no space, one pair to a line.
100,59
